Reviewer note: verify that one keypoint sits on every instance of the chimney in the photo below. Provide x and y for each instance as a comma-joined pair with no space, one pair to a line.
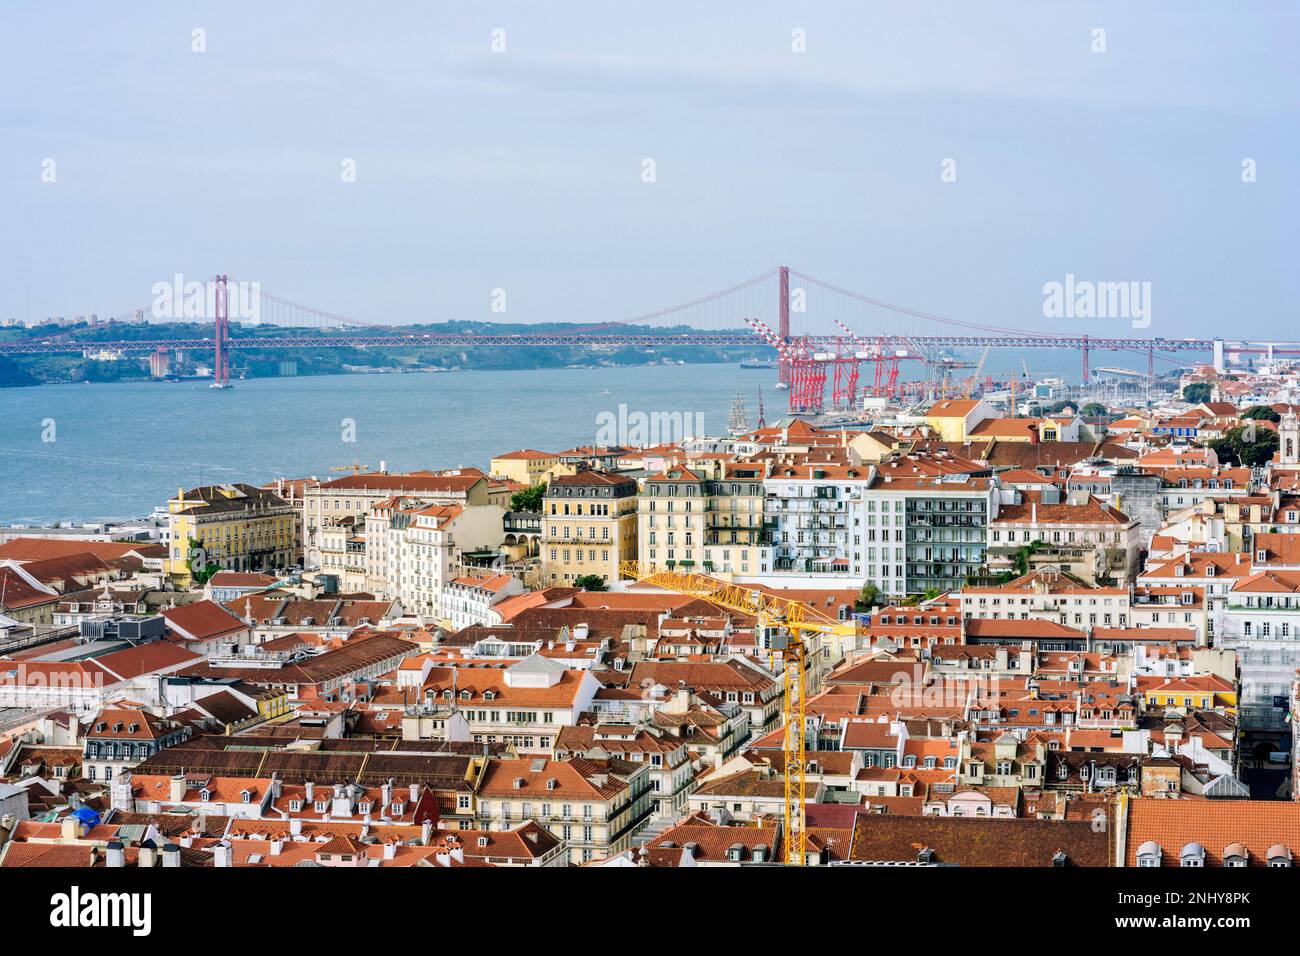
386,793
70,828
221,854
277,786
310,790
295,826
390,849
176,788
276,846
115,855
147,854
171,855
426,832
415,793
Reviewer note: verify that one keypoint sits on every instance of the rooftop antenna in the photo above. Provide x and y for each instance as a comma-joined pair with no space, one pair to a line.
762,423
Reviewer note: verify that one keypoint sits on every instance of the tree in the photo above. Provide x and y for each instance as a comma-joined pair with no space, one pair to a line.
1197,392
1261,413
590,582
530,499
201,570
1094,410
868,597
1246,445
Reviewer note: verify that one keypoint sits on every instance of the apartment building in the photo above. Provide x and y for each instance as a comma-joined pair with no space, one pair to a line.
353,496
672,771
528,466
1087,538
237,527
589,526
1261,623
467,601
413,551
595,806
119,738
1049,594
908,525
524,705
708,516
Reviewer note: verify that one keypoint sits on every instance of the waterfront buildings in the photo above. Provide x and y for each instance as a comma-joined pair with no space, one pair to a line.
237,527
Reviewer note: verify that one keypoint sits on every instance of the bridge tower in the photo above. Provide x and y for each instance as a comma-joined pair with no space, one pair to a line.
783,325
221,332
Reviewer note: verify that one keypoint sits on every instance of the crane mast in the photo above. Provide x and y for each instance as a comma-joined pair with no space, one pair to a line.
786,623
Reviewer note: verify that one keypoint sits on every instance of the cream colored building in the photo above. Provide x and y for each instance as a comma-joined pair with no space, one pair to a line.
589,526
352,496
705,517
528,466
413,551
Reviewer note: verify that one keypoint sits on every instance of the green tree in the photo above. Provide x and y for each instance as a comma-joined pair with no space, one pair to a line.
1197,392
530,499
201,569
1261,413
590,582
1094,410
868,598
1246,445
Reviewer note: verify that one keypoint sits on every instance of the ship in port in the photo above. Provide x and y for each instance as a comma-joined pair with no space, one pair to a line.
758,363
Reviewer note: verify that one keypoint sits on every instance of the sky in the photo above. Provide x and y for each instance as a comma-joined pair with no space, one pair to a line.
817,138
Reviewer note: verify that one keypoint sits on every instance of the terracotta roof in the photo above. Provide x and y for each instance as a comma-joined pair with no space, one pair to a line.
964,841
1257,824
203,621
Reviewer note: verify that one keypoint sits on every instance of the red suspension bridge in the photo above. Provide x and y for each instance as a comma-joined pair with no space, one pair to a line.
817,329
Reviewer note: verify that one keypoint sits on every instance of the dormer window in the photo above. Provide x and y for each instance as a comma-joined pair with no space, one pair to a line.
205,794
1193,855
482,841
489,695
465,695
398,809
295,806
1148,854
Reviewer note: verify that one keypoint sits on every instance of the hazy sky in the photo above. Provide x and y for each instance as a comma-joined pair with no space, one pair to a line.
522,170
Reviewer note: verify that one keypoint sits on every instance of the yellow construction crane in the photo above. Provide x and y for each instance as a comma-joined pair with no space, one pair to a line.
774,615
356,467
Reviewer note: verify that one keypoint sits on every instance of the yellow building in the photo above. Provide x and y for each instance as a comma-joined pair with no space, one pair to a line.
953,420
588,526
237,527
1191,693
528,466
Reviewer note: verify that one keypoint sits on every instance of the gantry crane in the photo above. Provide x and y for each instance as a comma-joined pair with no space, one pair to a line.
774,615
974,379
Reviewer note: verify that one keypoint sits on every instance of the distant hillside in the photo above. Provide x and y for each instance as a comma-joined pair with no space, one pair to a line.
274,362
